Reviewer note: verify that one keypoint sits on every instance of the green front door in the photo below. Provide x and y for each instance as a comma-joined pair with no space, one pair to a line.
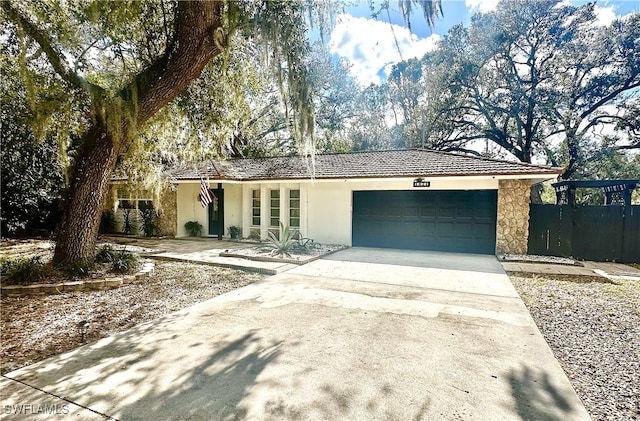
216,213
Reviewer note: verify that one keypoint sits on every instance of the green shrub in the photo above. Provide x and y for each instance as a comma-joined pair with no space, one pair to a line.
149,225
79,269
124,261
105,254
234,231
23,271
194,228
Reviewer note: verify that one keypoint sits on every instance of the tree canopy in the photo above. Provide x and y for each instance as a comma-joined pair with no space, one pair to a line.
533,78
93,87
126,73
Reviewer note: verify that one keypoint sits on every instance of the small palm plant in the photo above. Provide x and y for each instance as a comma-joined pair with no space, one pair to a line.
149,224
127,222
284,244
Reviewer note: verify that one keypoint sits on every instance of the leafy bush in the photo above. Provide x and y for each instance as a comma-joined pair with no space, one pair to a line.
107,223
284,244
149,224
124,261
105,254
79,269
194,228
24,270
234,231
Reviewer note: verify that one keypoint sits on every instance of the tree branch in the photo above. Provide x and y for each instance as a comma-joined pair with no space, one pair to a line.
53,53
197,38
632,82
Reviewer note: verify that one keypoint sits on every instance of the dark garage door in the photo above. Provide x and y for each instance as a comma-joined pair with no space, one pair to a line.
459,221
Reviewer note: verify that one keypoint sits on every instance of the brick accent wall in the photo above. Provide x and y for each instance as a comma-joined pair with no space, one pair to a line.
512,234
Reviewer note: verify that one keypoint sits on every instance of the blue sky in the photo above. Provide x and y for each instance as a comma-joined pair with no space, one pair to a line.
371,46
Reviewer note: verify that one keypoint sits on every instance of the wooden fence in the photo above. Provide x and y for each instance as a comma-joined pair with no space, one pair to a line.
600,233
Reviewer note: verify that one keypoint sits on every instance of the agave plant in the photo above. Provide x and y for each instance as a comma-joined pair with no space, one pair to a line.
284,244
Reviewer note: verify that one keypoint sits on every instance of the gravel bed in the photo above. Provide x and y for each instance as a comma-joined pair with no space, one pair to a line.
533,258
34,328
593,328
263,250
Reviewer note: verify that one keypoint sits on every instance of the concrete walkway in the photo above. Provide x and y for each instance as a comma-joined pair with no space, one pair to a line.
204,251
363,334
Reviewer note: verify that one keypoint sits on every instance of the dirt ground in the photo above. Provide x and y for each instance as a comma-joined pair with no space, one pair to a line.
36,327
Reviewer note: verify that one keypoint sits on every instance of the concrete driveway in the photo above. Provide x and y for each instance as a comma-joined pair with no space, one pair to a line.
362,334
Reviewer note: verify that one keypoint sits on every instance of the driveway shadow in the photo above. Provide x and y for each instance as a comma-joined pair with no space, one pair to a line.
212,390
536,398
150,372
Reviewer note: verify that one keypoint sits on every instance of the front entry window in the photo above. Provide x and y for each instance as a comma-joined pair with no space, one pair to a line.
255,208
294,208
274,220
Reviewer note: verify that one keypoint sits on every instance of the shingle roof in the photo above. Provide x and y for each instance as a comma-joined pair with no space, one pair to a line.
376,164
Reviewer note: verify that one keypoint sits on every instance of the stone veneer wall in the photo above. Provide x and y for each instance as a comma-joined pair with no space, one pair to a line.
168,213
109,202
512,235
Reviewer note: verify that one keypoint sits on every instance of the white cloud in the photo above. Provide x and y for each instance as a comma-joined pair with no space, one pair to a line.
604,15
370,47
484,6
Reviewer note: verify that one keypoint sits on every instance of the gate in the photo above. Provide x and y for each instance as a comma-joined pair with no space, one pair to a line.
601,233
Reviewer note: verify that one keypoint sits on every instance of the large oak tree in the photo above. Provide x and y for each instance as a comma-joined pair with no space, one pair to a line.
533,77
123,62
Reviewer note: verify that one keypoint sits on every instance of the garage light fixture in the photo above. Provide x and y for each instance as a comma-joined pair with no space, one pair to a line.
420,182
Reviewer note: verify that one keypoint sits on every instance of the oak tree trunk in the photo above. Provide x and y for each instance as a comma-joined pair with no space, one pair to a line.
78,228
198,37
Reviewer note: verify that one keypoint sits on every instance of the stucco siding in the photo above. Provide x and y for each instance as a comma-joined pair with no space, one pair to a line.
328,213
326,206
189,208
232,206
329,204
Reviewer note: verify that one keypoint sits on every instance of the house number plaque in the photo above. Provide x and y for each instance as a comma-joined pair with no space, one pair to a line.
419,182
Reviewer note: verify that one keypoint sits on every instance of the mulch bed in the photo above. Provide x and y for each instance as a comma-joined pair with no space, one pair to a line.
592,325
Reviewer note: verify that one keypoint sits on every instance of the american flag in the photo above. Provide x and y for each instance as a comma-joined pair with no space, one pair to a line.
205,195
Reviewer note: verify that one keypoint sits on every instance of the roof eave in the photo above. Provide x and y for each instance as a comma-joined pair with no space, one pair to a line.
512,174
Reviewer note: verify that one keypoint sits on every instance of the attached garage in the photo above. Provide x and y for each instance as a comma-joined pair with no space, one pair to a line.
450,220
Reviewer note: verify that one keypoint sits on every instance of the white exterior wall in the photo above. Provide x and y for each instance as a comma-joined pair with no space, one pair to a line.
232,206
329,203
190,209
328,216
326,205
